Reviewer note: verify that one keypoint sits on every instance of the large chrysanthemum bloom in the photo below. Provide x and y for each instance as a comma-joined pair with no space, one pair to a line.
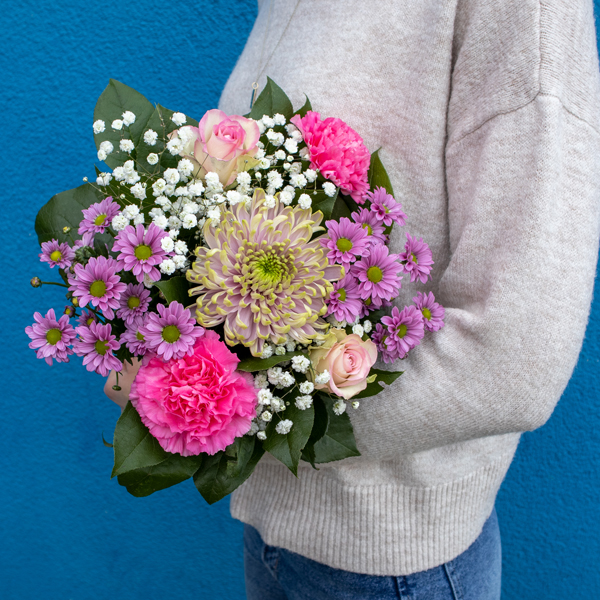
378,275
51,338
134,302
345,241
337,151
98,284
98,217
96,344
263,275
417,259
198,403
373,226
405,330
385,207
141,250
344,302
57,255
172,333
433,313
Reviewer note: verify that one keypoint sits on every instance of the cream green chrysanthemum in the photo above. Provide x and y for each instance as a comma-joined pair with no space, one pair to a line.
263,275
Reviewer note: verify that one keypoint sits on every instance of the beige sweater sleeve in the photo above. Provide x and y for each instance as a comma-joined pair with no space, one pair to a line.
523,191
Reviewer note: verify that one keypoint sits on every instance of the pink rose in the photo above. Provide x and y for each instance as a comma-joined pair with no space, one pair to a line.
197,403
220,143
348,359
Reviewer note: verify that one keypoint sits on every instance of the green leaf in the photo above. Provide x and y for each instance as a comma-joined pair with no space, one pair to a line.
113,102
62,210
262,364
270,101
307,106
288,448
135,447
378,175
224,471
172,470
338,441
175,290
374,388
321,422
326,204
340,208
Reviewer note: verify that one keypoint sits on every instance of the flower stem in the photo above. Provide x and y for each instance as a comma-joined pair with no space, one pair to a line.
54,283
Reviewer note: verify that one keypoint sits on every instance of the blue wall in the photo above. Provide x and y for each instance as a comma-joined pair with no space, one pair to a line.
66,530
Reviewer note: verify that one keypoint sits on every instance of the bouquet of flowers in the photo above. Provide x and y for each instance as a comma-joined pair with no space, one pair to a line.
244,261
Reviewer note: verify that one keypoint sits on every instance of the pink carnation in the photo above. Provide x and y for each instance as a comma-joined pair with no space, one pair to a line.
198,403
337,151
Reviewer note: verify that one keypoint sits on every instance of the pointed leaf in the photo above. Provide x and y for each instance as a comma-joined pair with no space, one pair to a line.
288,448
262,364
321,422
172,470
222,473
378,176
64,210
175,290
113,102
271,100
307,106
338,442
326,204
135,447
374,388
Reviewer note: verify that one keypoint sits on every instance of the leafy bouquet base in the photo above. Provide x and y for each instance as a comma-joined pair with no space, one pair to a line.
244,262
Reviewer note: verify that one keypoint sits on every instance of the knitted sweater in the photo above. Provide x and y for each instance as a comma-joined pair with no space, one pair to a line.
488,116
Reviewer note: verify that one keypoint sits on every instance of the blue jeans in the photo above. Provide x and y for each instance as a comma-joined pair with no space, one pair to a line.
276,574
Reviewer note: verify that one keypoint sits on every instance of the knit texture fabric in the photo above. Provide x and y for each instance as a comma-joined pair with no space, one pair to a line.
488,116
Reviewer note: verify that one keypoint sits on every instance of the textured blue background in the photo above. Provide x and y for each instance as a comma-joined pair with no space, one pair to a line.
66,531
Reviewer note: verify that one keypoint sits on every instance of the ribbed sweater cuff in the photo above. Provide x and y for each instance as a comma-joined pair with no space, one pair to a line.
384,529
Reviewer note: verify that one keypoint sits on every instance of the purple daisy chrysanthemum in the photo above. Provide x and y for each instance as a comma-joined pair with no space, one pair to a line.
86,318
345,241
344,302
98,217
378,275
378,337
433,313
98,284
417,259
172,333
96,344
133,337
386,208
57,255
51,338
374,227
405,330
141,250
134,302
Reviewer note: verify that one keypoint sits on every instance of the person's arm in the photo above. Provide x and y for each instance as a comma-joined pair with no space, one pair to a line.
524,215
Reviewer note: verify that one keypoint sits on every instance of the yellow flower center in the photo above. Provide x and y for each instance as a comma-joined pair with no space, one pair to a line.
401,332
53,336
56,255
133,302
344,244
139,336
426,313
342,293
99,220
98,289
101,347
171,334
374,274
143,252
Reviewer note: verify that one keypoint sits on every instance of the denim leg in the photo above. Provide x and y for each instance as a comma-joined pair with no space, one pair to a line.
260,566
477,573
